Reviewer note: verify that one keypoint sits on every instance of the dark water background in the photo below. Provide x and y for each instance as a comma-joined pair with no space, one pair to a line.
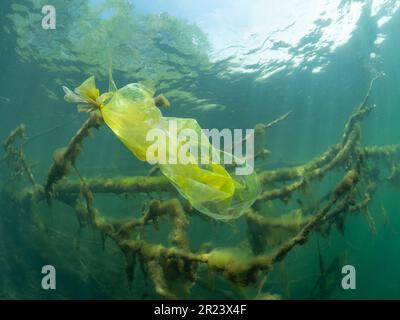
320,104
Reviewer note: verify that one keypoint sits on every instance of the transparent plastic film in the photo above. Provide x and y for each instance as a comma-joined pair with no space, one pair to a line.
131,113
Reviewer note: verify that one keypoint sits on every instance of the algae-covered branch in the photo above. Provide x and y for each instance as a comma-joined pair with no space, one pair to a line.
167,203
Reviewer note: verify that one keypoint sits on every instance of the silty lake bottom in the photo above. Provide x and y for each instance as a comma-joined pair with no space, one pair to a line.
319,84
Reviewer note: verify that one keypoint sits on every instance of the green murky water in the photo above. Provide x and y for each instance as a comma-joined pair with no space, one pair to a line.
227,64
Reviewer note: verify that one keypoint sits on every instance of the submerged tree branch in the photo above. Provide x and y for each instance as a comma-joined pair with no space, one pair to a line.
173,266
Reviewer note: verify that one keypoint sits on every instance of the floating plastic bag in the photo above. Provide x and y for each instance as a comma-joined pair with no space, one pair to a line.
131,113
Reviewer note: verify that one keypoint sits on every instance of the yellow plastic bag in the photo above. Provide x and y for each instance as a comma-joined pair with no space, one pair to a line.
130,112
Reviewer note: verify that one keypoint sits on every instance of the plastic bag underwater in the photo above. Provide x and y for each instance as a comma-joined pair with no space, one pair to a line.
130,112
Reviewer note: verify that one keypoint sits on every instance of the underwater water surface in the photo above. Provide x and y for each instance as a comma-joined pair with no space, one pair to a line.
318,81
